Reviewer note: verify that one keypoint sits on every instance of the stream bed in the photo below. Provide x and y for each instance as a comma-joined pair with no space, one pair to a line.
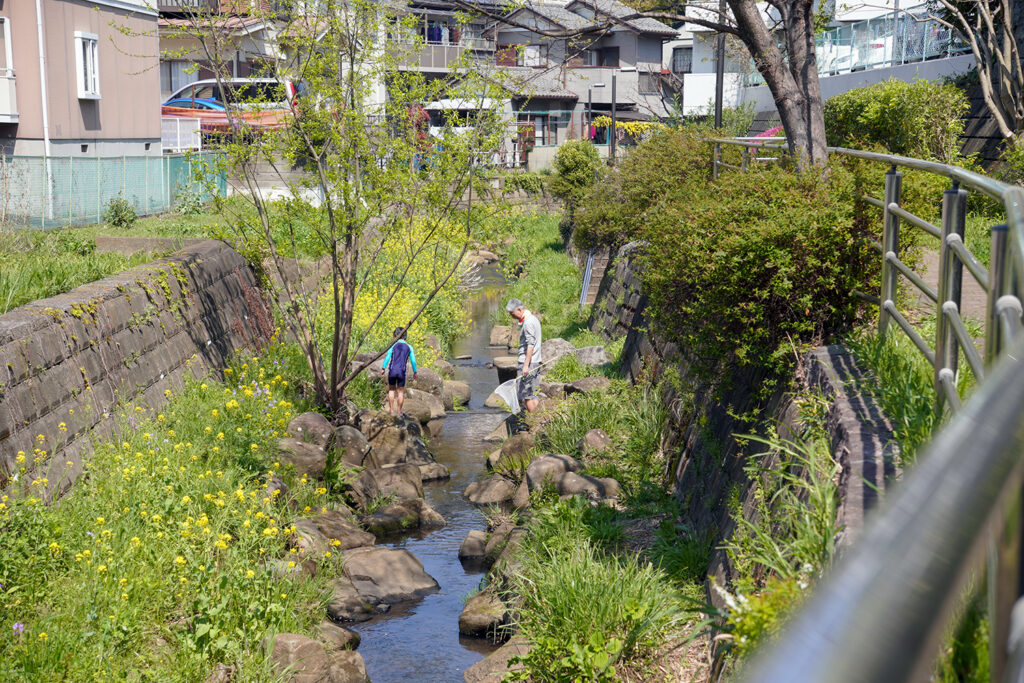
420,641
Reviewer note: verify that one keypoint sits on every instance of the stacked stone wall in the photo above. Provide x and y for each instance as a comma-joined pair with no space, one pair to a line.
68,362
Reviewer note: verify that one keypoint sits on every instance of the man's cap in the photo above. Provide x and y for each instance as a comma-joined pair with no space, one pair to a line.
512,305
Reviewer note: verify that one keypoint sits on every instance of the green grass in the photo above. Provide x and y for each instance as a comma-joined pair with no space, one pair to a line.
153,567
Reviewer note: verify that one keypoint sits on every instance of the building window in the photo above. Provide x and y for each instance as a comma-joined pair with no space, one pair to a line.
648,83
175,74
682,60
87,61
609,57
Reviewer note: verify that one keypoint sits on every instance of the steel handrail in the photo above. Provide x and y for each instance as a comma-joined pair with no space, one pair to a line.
881,615
883,612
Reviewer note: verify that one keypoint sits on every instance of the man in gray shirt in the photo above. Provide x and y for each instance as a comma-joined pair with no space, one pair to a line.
529,352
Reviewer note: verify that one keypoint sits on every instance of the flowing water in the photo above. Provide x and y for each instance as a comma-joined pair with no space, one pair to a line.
421,641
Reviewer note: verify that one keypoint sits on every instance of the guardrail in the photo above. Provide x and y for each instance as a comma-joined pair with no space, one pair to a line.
881,615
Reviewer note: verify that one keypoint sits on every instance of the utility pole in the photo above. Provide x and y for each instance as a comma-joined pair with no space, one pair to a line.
611,148
719,67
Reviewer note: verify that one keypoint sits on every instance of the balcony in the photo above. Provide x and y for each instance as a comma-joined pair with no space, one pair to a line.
8,99
441,56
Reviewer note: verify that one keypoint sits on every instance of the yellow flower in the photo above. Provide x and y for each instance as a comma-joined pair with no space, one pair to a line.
186,500
291,565
160,417
102,568
179,560
253,447
250,573
220,436
42,636
21,457
62,427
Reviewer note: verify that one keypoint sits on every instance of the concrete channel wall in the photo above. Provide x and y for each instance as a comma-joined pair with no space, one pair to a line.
706,464
68,362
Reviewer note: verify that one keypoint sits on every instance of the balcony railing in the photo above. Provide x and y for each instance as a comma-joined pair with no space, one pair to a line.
901,37
431,56
8,97
187,5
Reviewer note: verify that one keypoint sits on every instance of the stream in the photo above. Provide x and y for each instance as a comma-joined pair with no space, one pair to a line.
420,641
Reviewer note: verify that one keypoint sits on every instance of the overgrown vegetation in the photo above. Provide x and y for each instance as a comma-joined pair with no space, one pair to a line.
163,558
36,264
923,119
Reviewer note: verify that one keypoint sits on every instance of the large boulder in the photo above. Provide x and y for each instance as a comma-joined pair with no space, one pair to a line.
307,458
336,526
455,393
494,401
588,385
300,658
444,368
483,616
507,367
594,441
351,446
593,355
501,335
387,436
345,603
347,667
372,367
550,467
312,428
433,471
493,490
492,669
308,539
416,452
573,484
518,445
427,380
552,389
553,349
471,552
387,575
335,637
432,342
423,406
402,481
414,513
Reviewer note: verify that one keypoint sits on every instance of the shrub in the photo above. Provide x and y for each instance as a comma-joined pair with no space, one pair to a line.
577,166
190,201
530,182
920,119
120,213
1012,161
755,263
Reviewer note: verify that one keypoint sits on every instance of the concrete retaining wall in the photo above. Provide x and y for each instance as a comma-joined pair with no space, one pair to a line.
72,359
706,467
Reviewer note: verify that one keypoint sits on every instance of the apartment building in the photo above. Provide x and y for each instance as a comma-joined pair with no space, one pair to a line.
76,77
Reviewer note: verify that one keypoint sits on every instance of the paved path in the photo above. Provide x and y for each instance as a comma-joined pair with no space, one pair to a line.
974,300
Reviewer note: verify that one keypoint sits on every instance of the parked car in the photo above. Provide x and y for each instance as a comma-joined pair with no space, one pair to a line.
185,103
263,93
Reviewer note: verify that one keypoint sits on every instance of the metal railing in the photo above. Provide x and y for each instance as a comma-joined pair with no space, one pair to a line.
882,613
903,36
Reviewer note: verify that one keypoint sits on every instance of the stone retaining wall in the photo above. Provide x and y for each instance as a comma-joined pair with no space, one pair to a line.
706,466
67,362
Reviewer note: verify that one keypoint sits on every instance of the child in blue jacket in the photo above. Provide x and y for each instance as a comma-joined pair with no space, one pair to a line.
394,370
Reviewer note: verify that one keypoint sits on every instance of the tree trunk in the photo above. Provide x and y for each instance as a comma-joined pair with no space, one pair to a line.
794,85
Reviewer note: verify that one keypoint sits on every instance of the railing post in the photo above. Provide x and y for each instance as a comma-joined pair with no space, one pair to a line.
890,242
947,353
746,158
996,284
715,155
1003,582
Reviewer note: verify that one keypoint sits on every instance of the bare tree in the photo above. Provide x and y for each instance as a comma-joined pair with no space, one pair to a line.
987,27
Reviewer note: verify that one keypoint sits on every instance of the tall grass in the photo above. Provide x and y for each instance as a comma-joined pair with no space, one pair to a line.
587,611
36,265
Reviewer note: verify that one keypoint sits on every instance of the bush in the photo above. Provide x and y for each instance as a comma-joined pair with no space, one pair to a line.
120,213
530,182
577,166
921,119
755,263
1012,161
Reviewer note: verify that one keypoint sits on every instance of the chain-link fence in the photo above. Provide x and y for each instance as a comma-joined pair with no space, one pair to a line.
50,192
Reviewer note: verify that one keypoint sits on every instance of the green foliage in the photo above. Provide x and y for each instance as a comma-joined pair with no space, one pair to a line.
755,263
761,615
120,213
567,369
680,553
37,264
966,660
921,119
532,183
1011,159
582,609
157,560
577,167
190,201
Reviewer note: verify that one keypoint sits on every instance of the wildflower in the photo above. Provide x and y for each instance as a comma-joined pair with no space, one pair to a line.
40,438
186,500
21,457
179,560
250,573
19,628
62,427
203,386
100,569
42,636
291,565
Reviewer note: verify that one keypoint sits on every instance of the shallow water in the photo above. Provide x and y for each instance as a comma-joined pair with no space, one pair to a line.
420,641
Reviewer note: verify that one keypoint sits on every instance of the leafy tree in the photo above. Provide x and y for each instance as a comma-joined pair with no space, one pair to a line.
354,171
